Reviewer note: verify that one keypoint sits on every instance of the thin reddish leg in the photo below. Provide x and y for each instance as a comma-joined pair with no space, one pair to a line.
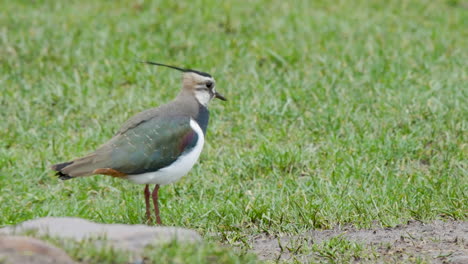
156,205
147,201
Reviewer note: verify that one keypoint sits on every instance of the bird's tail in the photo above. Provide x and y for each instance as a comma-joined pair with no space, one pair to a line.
58,168
76,168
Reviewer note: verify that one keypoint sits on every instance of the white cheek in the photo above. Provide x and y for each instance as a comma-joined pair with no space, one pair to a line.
203,97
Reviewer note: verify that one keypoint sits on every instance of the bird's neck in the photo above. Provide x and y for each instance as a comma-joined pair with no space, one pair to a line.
193,108
203,117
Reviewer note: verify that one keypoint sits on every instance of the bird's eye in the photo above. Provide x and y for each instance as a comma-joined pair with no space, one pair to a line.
209,84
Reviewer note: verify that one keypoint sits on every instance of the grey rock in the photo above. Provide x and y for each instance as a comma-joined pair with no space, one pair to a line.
28,250
127,237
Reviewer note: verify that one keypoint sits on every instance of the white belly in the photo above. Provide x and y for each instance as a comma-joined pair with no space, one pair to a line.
178,168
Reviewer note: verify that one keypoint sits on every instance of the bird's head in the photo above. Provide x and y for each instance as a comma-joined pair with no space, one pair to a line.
199,84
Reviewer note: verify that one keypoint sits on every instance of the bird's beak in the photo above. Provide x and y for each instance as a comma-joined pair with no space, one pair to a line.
219,96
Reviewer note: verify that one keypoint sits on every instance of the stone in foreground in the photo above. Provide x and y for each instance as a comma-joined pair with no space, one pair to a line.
126,237
28,250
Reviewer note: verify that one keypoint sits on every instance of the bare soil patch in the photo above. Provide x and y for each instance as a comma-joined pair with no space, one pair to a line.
436,242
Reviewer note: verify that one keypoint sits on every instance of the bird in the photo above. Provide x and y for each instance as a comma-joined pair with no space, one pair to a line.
157,146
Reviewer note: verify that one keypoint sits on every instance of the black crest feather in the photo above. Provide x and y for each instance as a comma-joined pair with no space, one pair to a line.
177,68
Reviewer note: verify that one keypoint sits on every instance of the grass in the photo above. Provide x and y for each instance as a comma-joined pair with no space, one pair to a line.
346,113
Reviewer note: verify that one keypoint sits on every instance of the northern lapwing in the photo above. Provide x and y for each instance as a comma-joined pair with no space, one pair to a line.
157,146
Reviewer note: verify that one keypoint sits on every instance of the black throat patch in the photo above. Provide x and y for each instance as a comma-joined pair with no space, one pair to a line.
203,117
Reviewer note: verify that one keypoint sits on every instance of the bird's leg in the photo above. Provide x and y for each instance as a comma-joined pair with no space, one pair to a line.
156,205
147,201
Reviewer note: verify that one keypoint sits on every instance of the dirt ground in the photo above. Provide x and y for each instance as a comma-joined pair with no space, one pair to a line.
436,242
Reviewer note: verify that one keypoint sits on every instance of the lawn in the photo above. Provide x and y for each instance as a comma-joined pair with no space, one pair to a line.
345,112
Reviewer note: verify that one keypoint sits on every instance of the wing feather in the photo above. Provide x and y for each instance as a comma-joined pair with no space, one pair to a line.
151,145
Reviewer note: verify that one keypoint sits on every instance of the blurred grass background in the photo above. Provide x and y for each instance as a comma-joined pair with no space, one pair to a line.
345,112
